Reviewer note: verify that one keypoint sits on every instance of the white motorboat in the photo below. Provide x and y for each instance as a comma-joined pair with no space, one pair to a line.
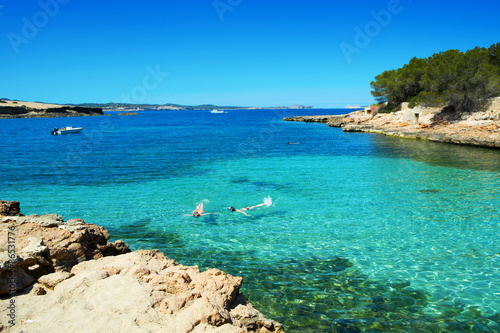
217,111
66,130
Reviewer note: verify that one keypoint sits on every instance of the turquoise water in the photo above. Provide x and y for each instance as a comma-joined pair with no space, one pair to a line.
366,232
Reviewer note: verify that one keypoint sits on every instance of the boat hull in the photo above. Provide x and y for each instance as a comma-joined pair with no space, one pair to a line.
67,130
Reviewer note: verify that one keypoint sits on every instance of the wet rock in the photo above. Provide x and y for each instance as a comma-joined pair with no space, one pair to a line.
9,208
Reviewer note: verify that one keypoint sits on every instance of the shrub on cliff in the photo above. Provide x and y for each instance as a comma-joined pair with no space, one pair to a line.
452,77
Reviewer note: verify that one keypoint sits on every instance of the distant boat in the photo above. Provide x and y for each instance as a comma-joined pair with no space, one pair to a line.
217,111
66,130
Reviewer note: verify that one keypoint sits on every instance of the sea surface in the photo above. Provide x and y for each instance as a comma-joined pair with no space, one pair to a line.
366,233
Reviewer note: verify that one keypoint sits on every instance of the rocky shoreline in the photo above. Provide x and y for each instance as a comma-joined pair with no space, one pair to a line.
18,109
58,275
480,128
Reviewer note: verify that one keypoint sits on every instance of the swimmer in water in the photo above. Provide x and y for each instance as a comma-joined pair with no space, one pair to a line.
199,211
245,209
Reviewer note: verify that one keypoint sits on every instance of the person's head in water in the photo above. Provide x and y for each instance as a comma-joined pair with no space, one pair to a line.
196,214
232,208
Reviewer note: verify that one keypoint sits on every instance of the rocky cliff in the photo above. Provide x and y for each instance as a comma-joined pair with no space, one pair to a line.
18,109
65,276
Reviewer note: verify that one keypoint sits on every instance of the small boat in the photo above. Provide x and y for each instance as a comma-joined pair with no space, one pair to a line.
66,130
217,111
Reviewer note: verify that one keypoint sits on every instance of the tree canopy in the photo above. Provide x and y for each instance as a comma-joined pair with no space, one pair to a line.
451,77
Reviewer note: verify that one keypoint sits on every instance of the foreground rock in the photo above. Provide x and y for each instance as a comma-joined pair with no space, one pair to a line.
19,109
76,281
433,124
10,208
38,245
142,291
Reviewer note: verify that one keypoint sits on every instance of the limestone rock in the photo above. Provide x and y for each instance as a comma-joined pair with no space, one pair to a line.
142,291
478,128
45,244
52,280
86,283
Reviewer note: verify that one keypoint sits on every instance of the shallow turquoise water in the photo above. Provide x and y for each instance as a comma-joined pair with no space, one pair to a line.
366,232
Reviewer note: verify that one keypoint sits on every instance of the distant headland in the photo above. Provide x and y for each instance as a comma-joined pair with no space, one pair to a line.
20,109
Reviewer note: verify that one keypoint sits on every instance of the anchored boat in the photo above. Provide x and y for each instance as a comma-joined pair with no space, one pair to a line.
66,130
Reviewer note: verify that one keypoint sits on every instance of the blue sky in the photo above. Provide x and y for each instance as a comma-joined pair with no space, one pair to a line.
225,52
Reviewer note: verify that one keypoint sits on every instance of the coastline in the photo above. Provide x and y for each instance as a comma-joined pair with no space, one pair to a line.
480,128
83,280
18,109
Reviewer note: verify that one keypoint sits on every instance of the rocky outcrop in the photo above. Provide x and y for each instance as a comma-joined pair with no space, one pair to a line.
18,109
310,119
485,136
433,124
10,208
46,244
333,121
475,129
142,291
74,280
128,114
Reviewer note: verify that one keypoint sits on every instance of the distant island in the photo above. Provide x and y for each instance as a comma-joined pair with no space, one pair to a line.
20,109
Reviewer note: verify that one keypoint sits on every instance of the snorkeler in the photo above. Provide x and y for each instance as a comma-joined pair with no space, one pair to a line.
267,202
199,211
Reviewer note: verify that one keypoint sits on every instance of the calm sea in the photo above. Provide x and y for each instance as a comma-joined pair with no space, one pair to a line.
365,232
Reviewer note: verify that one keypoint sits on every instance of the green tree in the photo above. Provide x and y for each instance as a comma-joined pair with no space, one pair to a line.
451,77
495,54
476,77
384,86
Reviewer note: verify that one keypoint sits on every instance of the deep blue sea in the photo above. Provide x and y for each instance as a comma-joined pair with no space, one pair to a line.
366,233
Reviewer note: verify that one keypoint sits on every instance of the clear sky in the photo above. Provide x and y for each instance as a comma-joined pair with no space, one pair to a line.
227,52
